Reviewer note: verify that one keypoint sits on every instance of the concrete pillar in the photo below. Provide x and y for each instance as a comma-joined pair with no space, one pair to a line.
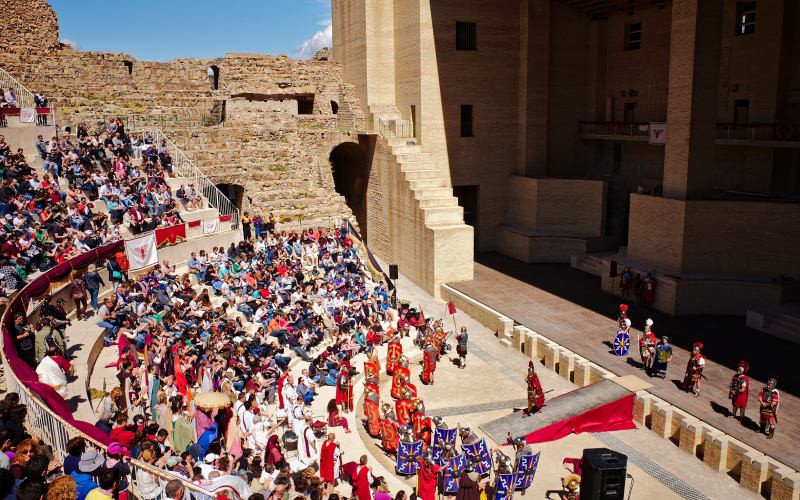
642,406
541,348
692,102
785,484
531,341
715,451
755,467
566,363
662,419
582,374
551,355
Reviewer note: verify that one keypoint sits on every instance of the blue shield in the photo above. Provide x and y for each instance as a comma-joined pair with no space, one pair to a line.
408,455
504,487
526,469
479,453
452,468
622,343
443,437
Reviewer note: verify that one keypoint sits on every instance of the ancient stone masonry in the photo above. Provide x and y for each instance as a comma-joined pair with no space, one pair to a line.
28,27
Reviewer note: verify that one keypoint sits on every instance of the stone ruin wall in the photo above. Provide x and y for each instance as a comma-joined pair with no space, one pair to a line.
28,27
280,157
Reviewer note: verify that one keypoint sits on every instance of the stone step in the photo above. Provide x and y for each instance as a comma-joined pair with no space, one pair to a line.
422,174
444,215
414,148
409,157
433,192
435,182
401,141
407,166
383,108
202,214
442,201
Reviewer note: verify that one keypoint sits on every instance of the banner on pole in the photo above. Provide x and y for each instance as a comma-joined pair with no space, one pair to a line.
479,453
526,469
408,455
451,308
142,251
210,226
658,133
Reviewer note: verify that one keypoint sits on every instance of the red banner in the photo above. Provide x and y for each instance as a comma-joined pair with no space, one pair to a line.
225,218
194,223
169,236
614,416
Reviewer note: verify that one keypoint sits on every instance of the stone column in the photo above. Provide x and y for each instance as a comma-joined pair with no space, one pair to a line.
692,102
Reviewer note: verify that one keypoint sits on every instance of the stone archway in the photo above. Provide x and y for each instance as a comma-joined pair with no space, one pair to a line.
234,192
350,178
213,76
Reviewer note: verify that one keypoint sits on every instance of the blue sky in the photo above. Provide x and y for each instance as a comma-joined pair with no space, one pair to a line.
160,30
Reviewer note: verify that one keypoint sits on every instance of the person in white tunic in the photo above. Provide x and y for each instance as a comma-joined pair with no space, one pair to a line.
289,396
307,452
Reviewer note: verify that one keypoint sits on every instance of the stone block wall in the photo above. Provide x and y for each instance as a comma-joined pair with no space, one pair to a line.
28,27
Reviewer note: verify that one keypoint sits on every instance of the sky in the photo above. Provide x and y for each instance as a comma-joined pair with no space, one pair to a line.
160,30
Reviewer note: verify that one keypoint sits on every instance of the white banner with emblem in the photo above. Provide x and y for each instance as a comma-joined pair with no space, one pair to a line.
142,251
658,133
27,115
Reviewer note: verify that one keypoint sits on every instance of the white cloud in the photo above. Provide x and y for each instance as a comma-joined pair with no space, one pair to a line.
71,43
321,39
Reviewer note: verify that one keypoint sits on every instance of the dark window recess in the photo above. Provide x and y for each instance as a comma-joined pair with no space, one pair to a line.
745,18
630,111
305,106
466,120
334,107
741,111
633,36
129,65
466,36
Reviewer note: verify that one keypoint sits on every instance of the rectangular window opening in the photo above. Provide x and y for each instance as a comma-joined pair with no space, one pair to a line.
466,36
745,18
466,120
633,36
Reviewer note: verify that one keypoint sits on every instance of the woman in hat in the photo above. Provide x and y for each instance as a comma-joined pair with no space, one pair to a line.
739,389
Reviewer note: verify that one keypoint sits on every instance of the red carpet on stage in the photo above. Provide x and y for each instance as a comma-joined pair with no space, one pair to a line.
614,416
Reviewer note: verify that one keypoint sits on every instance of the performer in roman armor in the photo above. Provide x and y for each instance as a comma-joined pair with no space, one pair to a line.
401,378
769,400
389,429
623,315
740,389
694,370
467,435
502,462
647,346
661,359
461,347
535,393
344,392
521,448
429,356
403,407
373,360
394,351
421,422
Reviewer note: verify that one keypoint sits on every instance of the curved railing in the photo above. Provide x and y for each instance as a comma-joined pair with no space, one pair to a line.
48,415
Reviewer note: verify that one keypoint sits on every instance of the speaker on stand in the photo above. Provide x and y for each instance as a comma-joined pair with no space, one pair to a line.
393,275
603,475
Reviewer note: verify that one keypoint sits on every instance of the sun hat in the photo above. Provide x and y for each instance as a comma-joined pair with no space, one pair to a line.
90,461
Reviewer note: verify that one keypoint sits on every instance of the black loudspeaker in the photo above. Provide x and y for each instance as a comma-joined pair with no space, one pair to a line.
603,476
392,271
612,273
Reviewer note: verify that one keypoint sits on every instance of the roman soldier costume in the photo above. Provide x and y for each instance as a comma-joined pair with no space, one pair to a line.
371,410
401,378
344,391
694,370
390,438
535,393
429,355
461,348
623,315
769,400
394,352
421,423
403,407
739,389
647,346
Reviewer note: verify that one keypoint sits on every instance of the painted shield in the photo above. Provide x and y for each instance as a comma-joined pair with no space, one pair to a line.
389,436
622,343
408,455
395,350
370,370
373,418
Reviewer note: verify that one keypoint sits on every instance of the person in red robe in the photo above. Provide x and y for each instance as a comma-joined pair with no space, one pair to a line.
329,460
281,381
180,376
740,389
362,479
427,477
535,393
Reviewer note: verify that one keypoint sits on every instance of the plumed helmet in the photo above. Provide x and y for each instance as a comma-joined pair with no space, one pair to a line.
623,307
531,368
744,365
648,322
697,345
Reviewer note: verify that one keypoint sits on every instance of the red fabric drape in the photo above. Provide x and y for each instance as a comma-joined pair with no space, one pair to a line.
170,235
194,223
614,416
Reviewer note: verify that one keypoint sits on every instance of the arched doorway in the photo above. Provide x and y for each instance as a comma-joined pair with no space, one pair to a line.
350,178
213,77
334,107
233,192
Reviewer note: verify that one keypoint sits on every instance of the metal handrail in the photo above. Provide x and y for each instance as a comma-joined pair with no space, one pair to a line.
396,128
184,167
23,95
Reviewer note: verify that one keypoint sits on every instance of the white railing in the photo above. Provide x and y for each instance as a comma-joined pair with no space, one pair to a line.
184,167
396,128
24,96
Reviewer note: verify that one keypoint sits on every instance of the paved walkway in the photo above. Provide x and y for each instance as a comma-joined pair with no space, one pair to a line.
575,325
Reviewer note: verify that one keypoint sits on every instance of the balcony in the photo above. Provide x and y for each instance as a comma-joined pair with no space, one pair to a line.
771,135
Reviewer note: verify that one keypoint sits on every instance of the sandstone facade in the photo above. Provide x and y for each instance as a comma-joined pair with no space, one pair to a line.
28,27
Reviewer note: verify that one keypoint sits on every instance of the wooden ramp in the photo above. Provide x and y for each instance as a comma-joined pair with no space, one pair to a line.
561,408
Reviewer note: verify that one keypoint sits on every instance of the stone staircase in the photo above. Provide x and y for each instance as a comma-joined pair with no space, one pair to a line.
781,321
588,263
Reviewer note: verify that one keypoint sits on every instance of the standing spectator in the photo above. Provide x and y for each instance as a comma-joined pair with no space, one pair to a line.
108,480
79,295
75,448
92,281
246,222
41,102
